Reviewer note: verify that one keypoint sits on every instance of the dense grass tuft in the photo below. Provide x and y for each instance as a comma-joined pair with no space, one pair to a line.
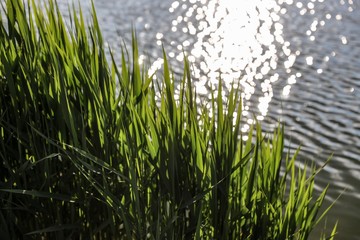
81,158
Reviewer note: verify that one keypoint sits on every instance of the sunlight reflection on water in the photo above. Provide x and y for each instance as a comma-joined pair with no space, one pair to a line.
243,43
239,41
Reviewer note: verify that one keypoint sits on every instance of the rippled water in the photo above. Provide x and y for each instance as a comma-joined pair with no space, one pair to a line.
296,61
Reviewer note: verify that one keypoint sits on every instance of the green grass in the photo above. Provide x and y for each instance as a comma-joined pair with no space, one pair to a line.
81,158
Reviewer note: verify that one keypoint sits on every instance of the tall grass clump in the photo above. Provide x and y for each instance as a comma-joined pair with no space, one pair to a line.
89,150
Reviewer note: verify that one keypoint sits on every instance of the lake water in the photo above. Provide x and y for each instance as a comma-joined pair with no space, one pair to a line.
296,61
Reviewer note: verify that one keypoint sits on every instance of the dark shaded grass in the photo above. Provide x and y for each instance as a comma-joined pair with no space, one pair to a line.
81,158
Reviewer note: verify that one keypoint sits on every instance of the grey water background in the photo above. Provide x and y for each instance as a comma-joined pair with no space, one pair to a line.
296,61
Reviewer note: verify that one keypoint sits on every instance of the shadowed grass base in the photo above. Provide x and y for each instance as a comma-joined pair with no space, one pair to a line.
83,159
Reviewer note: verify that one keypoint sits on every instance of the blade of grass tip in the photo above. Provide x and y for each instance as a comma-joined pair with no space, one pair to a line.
96,26
278,153
321,167
124,79
248,143
146,84
329,208
238,117
11,18
189,88
136,74
182,95
333,232
289,164
80,30
22,23
34,41
169,89
63,34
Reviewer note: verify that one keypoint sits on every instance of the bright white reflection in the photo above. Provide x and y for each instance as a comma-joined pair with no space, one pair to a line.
239,41
343,40
309,60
